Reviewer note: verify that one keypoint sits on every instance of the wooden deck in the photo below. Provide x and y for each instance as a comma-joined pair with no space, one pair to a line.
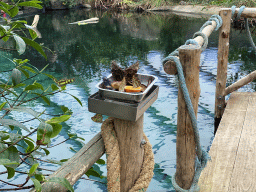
233,151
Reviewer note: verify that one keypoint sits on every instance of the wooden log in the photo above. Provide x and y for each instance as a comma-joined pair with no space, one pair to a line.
129,136
223,51
77,165
170,66
185,146
247,12
240,83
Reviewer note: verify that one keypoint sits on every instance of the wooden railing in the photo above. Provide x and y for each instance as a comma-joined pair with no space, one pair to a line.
78,165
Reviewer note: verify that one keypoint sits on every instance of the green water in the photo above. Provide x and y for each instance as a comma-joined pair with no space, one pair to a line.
85,52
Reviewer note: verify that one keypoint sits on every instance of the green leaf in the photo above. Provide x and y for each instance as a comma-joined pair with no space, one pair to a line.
39,86
62,181
44,133
58,119
30,4
14,11
20,44
5,9
46,100
48,75
71,135
4,136
54,161
34,45
16,76
5,154
73,149
13,156
19,85
63,108
25,73
7,122
64,160
92,172
2,105
39,177
37,184
29,69
31,87
30,146
101,162
56,129
8,162
54,87
33,169
46,151
76,99
11,172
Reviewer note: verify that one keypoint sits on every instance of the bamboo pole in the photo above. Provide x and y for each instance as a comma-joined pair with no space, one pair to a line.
223,51
240,83
170,66
185,146
129,136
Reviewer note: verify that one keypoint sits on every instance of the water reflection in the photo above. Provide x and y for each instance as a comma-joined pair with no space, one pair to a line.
85,52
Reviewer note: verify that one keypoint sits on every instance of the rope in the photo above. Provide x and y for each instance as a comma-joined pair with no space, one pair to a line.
233,8
201,153
113,160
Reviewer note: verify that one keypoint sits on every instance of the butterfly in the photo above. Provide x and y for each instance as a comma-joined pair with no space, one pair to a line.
63,82
118,73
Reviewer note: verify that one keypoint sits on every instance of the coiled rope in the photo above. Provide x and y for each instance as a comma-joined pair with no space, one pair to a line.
202,155
233,8
113,160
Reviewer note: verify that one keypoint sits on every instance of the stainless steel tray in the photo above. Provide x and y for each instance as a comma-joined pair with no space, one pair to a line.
136,97
123,110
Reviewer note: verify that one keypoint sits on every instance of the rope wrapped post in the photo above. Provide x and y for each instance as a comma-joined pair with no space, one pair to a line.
129,135
185,147
223,51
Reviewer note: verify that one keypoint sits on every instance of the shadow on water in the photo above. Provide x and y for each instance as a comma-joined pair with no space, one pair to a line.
86,51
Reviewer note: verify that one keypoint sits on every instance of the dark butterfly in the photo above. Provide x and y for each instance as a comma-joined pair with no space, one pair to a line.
63,82
118,73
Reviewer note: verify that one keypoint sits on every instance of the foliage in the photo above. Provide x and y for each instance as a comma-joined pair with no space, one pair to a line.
225,3
18,88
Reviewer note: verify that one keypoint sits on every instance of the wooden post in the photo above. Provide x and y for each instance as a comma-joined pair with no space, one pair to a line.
223,51
185,146
129,136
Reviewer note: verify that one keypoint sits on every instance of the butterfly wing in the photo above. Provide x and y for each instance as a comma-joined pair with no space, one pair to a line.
122,85
131,71
117,72
135,81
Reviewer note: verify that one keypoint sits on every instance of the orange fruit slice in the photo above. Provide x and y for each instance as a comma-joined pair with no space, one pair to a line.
132,89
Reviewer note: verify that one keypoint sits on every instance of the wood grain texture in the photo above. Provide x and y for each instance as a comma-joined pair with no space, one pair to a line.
223,51
77,165
249,12
233,164
129,136
185,146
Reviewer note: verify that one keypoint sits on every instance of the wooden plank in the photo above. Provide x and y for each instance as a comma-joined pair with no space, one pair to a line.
77,165
217,175
244,173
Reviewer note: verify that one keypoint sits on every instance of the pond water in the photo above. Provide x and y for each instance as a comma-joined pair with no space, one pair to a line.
85,52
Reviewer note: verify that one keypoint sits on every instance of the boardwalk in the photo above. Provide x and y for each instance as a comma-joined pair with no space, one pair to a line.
233,152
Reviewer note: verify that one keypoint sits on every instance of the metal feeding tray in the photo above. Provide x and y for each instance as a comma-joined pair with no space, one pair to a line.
121,109
135,97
